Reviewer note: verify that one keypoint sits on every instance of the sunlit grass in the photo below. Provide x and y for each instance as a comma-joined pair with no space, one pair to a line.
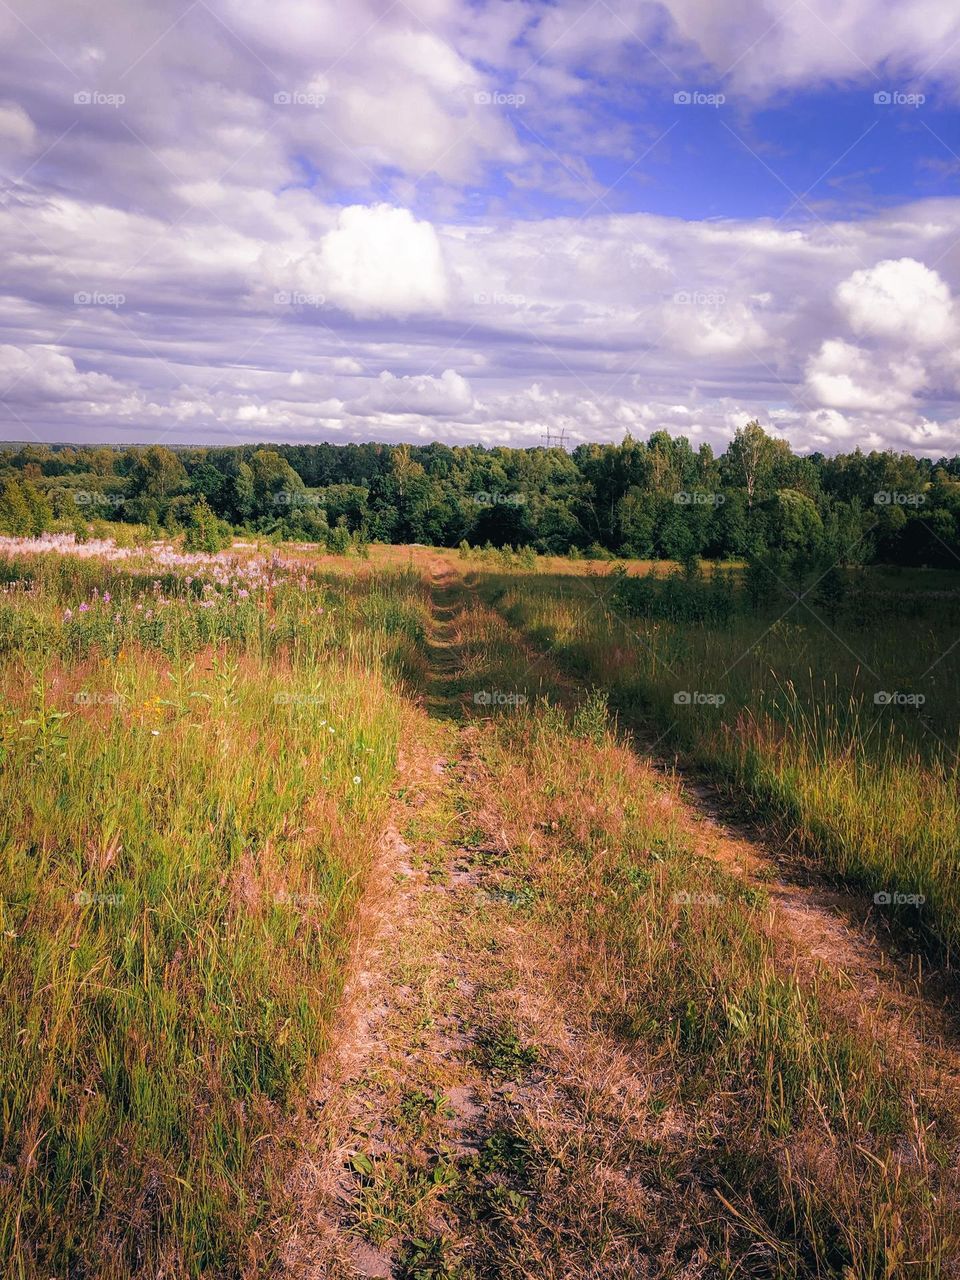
869,789
190,798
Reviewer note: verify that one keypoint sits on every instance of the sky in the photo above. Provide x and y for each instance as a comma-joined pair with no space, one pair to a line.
506,223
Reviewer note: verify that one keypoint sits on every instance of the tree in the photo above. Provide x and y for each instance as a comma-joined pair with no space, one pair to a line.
795,528
751,459
204,532
15,515
831,592
41,513
157,473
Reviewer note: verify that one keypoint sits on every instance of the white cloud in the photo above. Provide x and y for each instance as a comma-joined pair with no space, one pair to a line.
844,376
902,300
18,134
766,46
446,396
376,261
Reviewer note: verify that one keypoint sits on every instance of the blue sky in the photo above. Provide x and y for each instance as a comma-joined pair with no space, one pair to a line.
480,221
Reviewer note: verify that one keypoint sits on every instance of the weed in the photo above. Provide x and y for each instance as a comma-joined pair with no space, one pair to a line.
499,1048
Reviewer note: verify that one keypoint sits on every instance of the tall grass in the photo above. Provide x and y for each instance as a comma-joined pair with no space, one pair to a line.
869,788
189,799
783,1138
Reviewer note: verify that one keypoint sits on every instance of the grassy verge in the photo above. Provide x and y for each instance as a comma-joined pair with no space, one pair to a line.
197,758
777,1138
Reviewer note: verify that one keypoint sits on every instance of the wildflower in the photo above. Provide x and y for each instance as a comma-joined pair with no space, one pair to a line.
331,729
243,594
67,615
106,597
84,608
155,733
356,779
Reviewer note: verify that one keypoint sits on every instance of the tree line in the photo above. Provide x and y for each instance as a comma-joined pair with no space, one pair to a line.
661,498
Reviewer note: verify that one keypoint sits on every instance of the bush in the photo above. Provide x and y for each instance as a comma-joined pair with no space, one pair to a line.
674,599
205,531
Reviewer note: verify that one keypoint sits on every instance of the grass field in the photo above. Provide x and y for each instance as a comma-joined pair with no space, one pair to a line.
845,729
202,759
197,756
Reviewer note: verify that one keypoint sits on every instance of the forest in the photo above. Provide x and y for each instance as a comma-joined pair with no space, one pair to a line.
659,499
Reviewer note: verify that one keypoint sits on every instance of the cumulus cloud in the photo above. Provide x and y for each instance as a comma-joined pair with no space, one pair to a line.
446,396
899,299
844,376
380,261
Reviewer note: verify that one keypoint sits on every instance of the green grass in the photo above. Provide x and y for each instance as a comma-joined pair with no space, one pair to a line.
188,803
796,1121
868,790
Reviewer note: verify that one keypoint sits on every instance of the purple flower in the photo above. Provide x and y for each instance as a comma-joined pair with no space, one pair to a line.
106,597
84,608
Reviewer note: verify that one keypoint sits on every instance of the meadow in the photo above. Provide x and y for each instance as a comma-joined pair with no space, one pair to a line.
837,720
201,756
196,755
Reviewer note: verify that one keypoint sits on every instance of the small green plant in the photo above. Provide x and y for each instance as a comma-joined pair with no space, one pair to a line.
591,720
499,1048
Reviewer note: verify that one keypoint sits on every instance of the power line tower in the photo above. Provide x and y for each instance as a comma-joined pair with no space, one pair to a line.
555,439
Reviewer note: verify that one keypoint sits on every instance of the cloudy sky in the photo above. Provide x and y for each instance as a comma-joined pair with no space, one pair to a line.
480,220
